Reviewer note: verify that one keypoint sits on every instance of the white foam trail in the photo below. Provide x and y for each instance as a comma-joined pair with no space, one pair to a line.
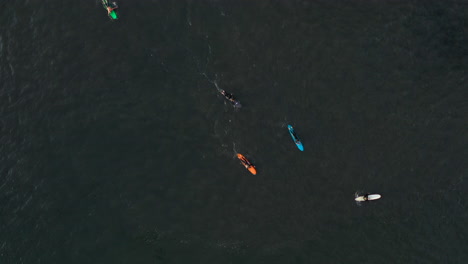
234,148
216,85
12,69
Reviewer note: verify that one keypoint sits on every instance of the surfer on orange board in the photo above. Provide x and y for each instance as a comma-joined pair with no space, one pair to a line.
247,164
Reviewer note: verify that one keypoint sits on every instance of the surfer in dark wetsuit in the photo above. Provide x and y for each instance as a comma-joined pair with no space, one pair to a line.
110,7
296,139
231,99
227,95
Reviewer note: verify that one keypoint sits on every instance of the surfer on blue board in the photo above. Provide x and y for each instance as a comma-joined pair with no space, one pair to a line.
231,99
296,140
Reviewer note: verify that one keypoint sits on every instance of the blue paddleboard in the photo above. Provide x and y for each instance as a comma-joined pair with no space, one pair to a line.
295,138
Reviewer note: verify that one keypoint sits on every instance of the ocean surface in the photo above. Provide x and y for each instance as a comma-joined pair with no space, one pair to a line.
116,147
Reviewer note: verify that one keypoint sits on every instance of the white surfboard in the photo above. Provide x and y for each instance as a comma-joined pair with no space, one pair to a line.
370,197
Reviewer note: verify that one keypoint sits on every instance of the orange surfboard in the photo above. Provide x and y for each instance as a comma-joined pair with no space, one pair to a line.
249,166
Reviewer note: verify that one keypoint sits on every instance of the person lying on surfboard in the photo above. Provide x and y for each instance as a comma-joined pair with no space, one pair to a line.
296,140
230,98
366,196
111,7
249,166
246,164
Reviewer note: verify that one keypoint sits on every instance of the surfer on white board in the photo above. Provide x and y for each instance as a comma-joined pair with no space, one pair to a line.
366,197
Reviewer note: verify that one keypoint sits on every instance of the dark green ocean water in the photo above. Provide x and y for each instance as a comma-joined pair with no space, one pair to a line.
115,146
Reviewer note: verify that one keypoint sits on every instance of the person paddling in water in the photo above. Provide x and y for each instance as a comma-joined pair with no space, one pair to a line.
366,196
231,99
111,7
295,137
